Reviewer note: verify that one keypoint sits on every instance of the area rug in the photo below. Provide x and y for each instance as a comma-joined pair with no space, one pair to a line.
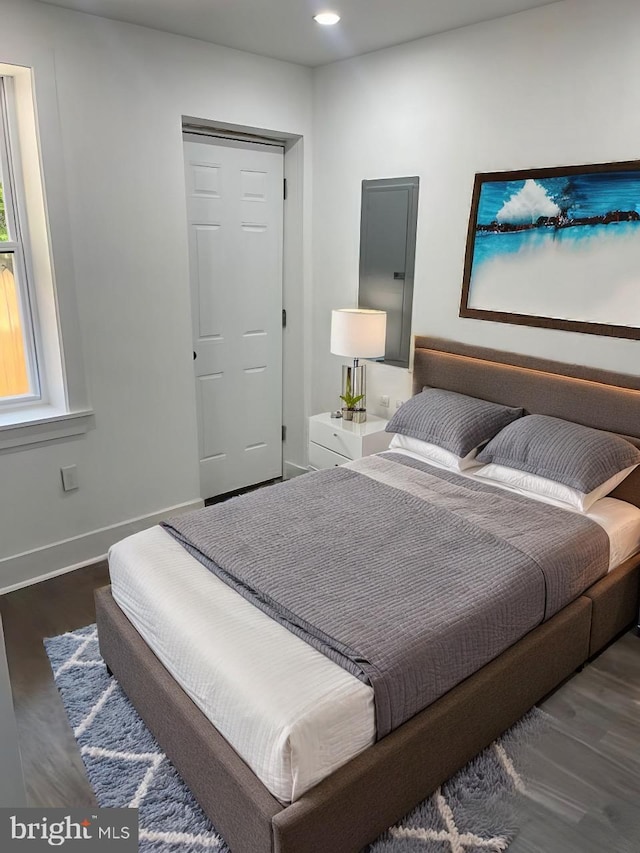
471,813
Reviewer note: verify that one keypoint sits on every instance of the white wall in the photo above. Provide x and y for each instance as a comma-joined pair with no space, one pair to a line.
121,93
554,86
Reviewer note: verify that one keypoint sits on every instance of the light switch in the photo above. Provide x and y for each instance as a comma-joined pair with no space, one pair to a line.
69,478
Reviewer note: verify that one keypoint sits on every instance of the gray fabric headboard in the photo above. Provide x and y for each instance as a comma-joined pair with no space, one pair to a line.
595,398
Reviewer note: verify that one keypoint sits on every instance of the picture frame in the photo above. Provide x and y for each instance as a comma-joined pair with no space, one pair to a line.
556,248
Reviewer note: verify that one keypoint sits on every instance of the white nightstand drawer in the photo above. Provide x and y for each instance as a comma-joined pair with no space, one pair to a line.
320,457
337,438
333,441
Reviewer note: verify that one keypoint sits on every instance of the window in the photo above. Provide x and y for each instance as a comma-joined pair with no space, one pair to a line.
43,388
19,381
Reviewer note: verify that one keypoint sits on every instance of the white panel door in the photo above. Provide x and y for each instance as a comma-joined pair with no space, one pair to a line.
235,209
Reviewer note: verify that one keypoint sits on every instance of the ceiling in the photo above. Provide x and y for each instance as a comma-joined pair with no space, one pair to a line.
284,29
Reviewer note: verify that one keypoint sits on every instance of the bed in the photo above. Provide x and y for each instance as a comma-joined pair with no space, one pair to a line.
382,780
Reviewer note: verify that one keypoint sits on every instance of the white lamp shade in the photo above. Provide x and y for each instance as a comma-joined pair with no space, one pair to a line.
358,332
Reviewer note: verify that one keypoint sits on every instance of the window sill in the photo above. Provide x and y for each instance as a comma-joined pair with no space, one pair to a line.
42,423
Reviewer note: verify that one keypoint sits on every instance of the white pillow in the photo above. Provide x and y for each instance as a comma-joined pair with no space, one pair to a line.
536,485
434,453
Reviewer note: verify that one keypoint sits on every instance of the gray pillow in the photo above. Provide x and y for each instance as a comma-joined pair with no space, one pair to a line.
453,421
568,453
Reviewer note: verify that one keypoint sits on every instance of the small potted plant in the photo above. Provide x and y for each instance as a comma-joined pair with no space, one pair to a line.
350,407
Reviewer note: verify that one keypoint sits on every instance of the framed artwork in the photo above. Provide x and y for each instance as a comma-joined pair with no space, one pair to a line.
558,248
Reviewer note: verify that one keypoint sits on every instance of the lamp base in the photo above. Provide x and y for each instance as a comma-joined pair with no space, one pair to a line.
354,381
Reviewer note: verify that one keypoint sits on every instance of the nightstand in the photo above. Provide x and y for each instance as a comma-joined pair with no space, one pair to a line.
333,441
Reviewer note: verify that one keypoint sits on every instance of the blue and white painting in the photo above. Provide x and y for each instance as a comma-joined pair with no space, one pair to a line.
564,246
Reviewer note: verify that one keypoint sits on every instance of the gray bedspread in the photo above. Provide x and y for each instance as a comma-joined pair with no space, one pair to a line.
408,576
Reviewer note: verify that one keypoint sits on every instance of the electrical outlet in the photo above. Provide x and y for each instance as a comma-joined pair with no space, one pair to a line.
384,401
69,476
399,403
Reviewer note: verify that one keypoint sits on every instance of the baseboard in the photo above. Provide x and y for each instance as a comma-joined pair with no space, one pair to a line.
290,470
60,557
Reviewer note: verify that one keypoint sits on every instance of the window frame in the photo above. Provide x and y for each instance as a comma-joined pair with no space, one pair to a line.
64,409
17,245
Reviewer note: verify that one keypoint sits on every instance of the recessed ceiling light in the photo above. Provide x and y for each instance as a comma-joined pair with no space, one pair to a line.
327,19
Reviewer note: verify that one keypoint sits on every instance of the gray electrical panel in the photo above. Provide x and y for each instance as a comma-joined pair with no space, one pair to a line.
387,258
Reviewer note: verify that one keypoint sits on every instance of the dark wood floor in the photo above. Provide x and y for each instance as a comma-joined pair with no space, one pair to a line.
584,772
583,790
224,497
53,770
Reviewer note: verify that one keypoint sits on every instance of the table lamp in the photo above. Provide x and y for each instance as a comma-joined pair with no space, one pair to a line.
357,333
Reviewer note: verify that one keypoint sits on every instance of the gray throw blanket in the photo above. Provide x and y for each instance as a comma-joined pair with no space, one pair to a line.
410,577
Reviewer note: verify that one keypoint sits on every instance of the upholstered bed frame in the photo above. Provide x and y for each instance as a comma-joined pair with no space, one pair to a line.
360,800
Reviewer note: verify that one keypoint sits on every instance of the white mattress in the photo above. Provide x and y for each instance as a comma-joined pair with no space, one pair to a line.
292,714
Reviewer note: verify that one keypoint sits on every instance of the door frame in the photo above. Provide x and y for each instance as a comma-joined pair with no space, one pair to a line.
296,281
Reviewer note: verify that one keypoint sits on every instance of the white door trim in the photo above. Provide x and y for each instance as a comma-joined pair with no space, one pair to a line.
297,277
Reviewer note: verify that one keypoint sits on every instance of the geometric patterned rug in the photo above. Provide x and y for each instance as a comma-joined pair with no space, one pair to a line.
471,813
